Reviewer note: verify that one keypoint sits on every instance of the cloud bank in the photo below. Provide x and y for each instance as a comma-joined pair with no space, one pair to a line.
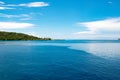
107,28
15,25
102,25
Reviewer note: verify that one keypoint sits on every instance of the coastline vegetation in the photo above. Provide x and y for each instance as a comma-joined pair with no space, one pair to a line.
18,36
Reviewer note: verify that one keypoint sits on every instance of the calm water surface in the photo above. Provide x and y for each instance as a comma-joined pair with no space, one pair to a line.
60,60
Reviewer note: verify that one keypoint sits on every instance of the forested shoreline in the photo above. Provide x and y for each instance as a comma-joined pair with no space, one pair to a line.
18,36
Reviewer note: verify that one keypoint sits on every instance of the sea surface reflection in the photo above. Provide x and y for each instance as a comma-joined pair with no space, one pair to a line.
60,60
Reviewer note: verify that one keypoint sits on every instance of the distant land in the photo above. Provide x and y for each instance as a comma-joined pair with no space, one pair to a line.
18,36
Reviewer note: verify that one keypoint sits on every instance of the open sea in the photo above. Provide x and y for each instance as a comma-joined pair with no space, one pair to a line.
60,60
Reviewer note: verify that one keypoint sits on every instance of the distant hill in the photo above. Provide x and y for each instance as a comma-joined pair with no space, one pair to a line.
18,36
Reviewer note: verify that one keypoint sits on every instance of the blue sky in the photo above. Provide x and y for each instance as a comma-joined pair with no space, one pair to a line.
62,19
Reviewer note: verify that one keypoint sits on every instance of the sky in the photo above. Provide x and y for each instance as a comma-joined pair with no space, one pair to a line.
62,19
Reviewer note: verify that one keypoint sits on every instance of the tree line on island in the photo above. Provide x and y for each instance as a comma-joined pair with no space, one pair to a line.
18,36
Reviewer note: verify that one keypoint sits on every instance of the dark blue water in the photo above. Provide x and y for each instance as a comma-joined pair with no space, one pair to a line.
60,60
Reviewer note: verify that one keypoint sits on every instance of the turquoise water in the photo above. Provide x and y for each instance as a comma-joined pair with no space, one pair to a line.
60,60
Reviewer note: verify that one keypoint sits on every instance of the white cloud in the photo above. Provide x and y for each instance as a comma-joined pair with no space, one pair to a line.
4,8
19,16
29,16
106,27
12,16
86,32
15,25
31,4
35,4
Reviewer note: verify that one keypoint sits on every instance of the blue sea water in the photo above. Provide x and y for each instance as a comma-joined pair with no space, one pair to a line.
60,60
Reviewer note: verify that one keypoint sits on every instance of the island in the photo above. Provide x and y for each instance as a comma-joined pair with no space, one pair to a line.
18,36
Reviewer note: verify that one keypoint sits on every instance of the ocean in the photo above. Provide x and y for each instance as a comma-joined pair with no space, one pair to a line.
60,60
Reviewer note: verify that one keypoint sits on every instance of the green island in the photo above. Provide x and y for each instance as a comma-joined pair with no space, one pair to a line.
18,36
